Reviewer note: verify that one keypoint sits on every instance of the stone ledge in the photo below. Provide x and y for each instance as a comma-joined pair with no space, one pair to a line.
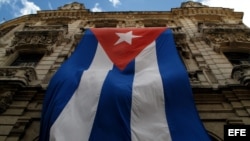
20,75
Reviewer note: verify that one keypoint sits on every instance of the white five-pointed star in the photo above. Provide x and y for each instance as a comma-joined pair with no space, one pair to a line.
126,37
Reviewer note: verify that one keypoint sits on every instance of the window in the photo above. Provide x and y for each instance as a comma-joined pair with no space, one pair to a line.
27,59
237,58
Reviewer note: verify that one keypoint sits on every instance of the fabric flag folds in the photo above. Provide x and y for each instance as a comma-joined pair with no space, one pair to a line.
122,84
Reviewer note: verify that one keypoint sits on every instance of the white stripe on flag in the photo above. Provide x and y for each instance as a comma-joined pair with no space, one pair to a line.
148,118
78,115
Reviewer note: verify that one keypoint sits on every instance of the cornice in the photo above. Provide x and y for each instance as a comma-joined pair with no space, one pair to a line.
195,10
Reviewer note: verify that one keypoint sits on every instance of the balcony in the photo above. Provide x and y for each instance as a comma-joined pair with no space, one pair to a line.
18,76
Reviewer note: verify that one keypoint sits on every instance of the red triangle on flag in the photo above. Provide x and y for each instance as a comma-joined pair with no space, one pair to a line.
122,45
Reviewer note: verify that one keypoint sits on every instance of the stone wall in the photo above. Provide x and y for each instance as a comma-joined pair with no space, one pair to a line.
202,35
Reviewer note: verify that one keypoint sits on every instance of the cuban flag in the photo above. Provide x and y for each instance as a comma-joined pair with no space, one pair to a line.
124,84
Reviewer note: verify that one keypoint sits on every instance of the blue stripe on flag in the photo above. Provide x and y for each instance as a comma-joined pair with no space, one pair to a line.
112,121
183,120
65,81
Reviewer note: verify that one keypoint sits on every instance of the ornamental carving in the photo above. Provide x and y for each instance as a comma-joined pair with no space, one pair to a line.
242,74
139,24
225,37
158,23
6,99
24,75
72,6
121,24
100,23
45,38
60,20
192,4
228,41
42,38
46,28
181,41
179,35
217,38
222,26
130,21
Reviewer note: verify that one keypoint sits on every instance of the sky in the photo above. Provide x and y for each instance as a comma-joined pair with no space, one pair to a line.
10,9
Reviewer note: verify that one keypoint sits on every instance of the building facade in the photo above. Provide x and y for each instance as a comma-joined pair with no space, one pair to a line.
213,43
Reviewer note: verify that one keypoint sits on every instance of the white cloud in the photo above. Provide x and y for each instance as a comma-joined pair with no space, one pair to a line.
115,2
28,8
22,7
96,8
237,5
2,2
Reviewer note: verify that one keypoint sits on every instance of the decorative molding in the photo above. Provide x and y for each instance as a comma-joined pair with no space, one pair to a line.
192,4
24,75
46,28
242,74
157,23
128,21
63,20
6,99
103,23
181,41
38,38
182,46
226,37
72,6
121,24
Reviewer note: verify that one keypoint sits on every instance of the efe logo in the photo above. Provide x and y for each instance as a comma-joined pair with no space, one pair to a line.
237,132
